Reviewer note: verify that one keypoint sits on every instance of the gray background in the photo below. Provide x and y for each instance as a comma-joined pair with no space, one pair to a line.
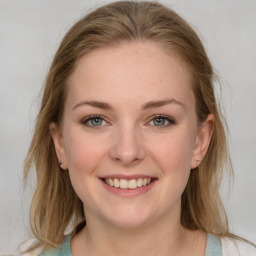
30,32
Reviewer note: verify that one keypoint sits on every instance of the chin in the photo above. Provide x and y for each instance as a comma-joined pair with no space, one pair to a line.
130,217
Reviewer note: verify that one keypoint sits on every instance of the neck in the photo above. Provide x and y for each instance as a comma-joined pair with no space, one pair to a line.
166,237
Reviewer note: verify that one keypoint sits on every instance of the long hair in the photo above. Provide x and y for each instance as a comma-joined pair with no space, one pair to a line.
55,205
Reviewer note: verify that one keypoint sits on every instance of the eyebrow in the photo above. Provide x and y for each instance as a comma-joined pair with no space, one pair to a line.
157,104
148,105
96,104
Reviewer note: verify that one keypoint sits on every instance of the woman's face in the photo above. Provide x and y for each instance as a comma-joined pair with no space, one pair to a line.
130,136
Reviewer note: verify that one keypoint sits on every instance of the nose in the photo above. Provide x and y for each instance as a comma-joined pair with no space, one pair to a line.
127,147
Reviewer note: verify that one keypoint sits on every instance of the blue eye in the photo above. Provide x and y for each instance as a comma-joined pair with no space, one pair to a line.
162,121
94,121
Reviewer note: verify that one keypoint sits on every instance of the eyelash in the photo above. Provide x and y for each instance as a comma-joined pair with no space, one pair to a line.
93,117
167,118
90,118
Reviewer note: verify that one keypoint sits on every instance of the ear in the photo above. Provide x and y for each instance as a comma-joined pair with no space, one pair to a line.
59,145
203,139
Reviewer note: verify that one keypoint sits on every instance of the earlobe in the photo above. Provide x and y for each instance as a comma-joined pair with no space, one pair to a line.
204,136
59,145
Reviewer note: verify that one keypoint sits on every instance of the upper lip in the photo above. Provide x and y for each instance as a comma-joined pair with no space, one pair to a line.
126,177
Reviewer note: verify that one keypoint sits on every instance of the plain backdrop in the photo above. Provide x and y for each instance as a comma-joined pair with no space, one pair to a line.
30,31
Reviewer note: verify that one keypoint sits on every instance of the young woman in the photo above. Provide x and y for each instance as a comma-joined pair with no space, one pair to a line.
129,145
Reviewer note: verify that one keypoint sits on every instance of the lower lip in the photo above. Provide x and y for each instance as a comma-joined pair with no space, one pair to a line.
128,192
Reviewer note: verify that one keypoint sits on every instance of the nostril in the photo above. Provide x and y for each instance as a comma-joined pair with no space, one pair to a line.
127,149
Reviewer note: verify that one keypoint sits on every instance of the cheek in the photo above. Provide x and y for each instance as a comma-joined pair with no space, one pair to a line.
173,152
84,153
173,157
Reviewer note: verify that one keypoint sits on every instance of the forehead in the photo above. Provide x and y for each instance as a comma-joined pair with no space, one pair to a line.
131,69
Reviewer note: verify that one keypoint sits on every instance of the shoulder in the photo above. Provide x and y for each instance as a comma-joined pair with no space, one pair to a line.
234,247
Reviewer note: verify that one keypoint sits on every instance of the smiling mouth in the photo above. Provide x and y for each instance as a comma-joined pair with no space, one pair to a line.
128,184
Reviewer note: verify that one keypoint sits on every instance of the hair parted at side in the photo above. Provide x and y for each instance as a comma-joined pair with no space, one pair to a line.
55,205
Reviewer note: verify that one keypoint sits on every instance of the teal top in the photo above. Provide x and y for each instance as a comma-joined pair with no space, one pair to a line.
64,250
213,248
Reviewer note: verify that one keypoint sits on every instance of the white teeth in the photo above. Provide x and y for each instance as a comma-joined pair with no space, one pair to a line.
116,183
123,183
110,182
139,183
131,184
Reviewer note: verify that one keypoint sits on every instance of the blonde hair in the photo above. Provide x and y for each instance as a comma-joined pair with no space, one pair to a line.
55,205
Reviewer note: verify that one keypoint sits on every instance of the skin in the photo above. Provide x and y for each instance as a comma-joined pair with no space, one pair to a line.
128,139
